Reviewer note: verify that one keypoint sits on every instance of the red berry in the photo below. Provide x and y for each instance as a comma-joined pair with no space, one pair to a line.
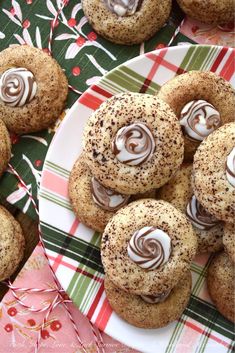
160,46
45,334
29,2
8,327
72,22
38,163
26,24
31,322
12,11
55,325
80,41
76,71
194,29
92,36
12,311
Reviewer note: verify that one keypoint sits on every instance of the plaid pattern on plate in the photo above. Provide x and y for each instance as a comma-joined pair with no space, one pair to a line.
73,249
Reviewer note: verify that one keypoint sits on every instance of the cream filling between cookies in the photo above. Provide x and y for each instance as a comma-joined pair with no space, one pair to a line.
149,248
17,87
198,119
198,216
105,198
155,299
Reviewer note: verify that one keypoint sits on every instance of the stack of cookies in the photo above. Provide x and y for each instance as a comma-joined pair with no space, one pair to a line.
157,179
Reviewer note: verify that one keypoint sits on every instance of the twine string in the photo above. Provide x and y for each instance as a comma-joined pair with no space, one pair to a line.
59,289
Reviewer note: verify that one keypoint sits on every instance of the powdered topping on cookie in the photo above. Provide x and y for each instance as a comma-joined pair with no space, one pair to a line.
198,216
154,299
105,198
134,144
198,119
17,87
230,167
149,247
123,7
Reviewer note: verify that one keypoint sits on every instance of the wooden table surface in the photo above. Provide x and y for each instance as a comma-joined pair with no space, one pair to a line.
30,230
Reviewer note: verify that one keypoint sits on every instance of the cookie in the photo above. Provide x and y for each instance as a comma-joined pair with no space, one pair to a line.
178,191
5,147
12,244
92,203
229,240
33,89
214,173
147,247
133,143
209,11
149,312
202,101
127,22
221,285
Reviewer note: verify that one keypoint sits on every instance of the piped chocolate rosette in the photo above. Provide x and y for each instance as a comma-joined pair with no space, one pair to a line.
123,7
134,144
105,198
198,216
198,119
149,248
230,167
17,87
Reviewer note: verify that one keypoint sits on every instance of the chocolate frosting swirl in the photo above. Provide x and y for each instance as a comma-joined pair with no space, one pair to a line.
149,248
123,7
134,144
17,87
230,167
198,216
105,198
154,299
198,119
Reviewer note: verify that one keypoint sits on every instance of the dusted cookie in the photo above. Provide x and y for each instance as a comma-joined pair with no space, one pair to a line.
209,11
147,247
149,314
221,285
12,244
127,22
33,89
202,101
133,143
178,191
5,147
229,240
92,203
214,173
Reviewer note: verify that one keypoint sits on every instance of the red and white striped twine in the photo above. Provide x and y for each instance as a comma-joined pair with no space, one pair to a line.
59,299
177,31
